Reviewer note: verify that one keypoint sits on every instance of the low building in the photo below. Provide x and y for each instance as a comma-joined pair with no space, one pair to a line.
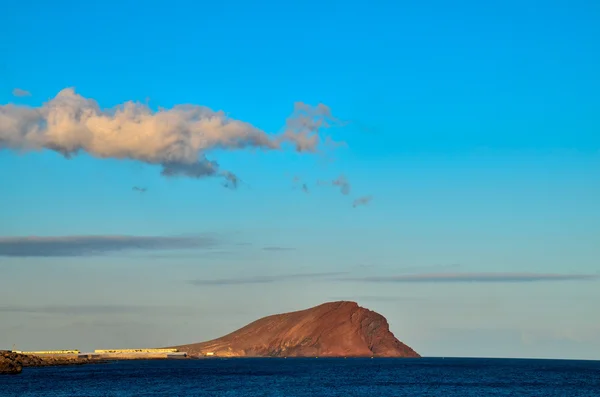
100,351
88,355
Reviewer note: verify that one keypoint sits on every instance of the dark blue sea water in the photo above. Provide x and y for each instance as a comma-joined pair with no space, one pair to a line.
312,377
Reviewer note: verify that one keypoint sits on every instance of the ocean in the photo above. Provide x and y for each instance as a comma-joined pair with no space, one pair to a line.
312,378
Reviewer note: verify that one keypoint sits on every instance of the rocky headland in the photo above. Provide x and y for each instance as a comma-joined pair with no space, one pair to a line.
334,329
13,363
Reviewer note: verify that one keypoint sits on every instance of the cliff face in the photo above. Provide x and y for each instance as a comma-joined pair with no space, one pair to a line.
336,329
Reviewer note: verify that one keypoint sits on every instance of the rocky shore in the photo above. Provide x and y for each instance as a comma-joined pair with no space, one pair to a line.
13,363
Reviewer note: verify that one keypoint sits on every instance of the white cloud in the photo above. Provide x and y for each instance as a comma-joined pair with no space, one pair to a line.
176,139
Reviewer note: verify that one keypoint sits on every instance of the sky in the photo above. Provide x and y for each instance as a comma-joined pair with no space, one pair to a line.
173,171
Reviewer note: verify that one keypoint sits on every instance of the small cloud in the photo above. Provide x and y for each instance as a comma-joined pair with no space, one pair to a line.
18,92
232,181
276,248
476,278
343,184
139,189
303,126
265,279
67,246
297,180
362,201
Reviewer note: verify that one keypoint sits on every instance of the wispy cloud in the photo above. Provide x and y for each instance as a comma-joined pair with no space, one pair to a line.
189,255
176,139
78,310
362,201
73,309
438,268
33,246
18,92
374,298
232,181
298,182
265,279
476,278
342,182
276,248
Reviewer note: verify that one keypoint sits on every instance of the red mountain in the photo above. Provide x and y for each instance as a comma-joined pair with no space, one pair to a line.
335,329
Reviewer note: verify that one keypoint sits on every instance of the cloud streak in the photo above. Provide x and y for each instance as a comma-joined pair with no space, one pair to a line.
92,309
345,187
265,279
375,298
362,201
18,92
67,246
411,278
74,310
476,278
176,139
277,248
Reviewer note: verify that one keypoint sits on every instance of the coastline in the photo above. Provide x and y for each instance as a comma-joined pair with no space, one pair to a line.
12,363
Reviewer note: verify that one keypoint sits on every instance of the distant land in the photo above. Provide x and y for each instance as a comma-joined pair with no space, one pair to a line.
334,329
12,363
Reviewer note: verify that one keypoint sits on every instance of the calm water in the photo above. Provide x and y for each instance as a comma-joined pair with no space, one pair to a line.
312,377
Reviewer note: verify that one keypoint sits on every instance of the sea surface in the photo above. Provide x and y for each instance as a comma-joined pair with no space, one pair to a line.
312,377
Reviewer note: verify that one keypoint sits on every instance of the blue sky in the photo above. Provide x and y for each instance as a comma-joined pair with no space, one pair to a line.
473,128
